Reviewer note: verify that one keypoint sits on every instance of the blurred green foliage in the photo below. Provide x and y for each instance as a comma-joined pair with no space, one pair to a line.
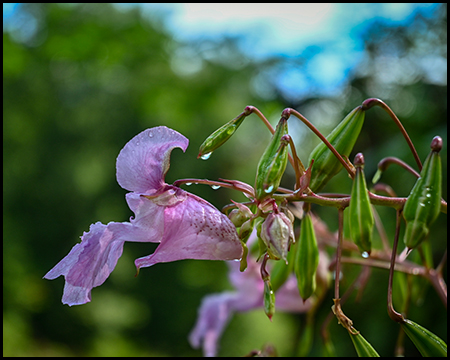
91,78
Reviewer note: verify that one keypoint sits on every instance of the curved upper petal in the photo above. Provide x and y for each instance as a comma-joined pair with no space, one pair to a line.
194,229
143,162
90,262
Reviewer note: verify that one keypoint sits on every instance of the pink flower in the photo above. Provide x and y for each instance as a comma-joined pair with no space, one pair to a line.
217,310
186,226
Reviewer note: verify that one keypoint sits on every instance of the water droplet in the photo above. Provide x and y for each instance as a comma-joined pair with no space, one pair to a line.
188,184
150,134
365,254
206,156
137,143
269,189
215,187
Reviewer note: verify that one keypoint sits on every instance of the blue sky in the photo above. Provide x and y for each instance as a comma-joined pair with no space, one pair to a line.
332,32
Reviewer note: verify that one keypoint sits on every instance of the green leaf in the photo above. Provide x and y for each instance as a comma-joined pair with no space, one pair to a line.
362,346
425,341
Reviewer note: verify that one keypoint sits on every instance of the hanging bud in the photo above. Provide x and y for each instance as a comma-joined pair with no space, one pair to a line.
277,233
425,341
219,137
273,162
361,217
424,202
343,138
239,215
269,294
307,258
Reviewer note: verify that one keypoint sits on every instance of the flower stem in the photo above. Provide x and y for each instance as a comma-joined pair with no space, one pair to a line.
394,315
288,111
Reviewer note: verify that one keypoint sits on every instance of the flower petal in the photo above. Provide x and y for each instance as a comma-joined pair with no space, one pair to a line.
148,222
89,263
216,310
194,229
214,314
143,162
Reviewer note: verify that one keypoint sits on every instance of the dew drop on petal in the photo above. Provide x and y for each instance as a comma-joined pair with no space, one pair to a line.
365,254
188,184
206,156
150,134
215,187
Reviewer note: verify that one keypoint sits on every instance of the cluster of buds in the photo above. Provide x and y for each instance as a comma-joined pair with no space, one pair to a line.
267,211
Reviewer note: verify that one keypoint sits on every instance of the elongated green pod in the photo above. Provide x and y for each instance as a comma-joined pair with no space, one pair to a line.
219,137
424,202
361,219
273,162
269,299
343,138
307,258
425,341
269,294
362,346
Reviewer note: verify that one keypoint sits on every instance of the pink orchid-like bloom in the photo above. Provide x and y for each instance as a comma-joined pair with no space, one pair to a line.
184,225
216,310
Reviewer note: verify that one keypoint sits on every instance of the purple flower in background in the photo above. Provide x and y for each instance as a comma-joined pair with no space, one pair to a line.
217,310
184,225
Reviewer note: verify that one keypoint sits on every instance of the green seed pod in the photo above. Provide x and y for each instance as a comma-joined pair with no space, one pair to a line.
272,163
424,202
269,299
361,217
219,137
307,258
362,346
269,294
343,138
425,341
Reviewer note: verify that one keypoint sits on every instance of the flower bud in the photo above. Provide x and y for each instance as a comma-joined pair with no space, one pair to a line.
219,137
424,202
273,162
361,219
269,299
307,258
239,215
343,138
269,294
277,233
